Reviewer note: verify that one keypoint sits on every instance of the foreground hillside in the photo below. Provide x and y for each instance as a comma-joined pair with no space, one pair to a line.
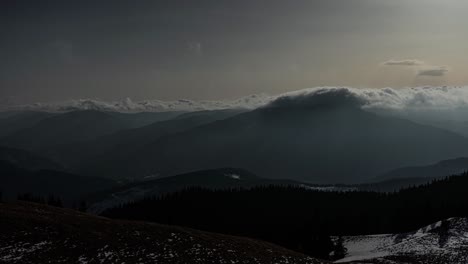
301,219
442,242
33,233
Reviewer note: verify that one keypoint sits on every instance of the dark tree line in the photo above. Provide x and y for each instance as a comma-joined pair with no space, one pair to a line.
301,219
51,200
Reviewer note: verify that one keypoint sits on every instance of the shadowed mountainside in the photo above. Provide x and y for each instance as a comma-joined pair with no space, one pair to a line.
68,127
71,188
117,146
440,169
11,122
27,160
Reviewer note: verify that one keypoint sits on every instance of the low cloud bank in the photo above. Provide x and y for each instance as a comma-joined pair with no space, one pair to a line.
428,105
127,105
402,99
423,98
324,96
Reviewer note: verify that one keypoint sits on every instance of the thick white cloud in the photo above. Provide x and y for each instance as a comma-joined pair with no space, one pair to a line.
427,105
423,98
403,99
128,105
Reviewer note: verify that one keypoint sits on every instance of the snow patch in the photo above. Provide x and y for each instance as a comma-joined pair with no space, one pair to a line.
233,176
430,241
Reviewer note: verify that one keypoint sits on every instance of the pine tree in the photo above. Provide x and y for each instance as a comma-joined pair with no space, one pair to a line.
443,232
83,207
340,251
54,201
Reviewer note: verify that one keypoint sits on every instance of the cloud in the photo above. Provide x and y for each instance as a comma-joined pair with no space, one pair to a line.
195,47
431,105
323,97
425,69
435,71
406,62
127,105
428,100
411,98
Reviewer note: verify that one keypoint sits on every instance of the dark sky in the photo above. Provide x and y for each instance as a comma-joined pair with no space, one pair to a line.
59,50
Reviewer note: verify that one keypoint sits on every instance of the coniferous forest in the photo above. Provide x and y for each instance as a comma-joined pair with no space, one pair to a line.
301,219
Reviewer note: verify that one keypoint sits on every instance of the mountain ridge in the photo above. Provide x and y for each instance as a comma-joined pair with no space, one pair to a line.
311,140
439,169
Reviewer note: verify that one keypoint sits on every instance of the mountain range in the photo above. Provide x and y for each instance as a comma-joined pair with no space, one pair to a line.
296,138
302,137
117,146
53,130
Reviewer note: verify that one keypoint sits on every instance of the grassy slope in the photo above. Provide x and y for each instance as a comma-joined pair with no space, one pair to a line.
34,233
